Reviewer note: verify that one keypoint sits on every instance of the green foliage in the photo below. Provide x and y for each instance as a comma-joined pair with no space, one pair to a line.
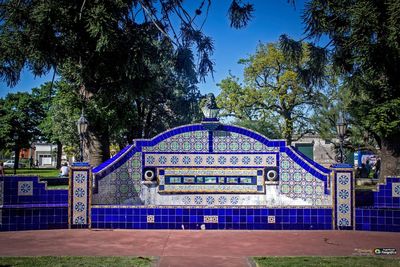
21,114
62,112
273,93
365,48
41,173
75,261
326,261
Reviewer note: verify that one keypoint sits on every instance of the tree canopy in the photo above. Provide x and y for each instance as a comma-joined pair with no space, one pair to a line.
272,92
364,46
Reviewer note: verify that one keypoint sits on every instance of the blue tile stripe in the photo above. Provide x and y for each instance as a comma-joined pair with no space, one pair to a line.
377,219
34,205
131,217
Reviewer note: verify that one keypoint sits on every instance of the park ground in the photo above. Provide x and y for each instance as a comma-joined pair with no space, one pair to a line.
200,248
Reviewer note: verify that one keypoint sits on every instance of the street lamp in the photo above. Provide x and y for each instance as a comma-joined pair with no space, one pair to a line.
82,128
15,137
341,128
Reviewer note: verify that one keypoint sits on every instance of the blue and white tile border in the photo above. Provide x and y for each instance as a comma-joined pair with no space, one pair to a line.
80,197
344,211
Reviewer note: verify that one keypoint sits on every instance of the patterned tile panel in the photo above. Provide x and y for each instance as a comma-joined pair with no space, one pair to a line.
122,186
211,160
217,187
210,219
395,189
186,142
296,182
224,141
80,194
344,199
25,188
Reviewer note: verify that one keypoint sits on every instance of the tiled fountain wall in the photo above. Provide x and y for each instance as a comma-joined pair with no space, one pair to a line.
305,195
216,178
27,204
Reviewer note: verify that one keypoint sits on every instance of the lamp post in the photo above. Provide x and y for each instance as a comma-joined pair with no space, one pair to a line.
82,128
15,137
341,127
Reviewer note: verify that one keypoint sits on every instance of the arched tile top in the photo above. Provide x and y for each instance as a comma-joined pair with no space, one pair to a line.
141,145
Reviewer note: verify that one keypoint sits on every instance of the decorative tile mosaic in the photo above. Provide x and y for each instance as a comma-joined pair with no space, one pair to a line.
25,188
210,219
395,189
271,219
123,186
211,180
186,142
150,218
80,194
296,182
210,160
344,199
225,141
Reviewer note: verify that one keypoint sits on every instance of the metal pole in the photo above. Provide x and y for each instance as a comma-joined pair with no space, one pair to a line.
81,148
15,157
341,149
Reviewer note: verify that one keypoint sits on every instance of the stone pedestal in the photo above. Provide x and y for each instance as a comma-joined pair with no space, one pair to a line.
79,196
343,194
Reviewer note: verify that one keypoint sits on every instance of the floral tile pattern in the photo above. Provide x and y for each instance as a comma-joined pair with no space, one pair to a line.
186,142
224,141
25,188
80,196
123,186
296,182
395,189
344,203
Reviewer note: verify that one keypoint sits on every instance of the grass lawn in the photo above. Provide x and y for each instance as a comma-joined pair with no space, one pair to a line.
74,261
356,261
42,173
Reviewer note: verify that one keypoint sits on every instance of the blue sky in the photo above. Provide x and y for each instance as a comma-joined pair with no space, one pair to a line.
271,19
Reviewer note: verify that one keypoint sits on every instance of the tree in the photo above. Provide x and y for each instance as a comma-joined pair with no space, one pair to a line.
97,46
61,105
364,44
20,117
273,91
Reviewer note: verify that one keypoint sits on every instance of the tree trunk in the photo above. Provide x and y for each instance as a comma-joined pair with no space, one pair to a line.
390,159
59,154
96,148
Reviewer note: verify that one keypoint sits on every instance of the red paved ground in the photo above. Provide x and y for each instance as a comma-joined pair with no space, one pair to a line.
194,248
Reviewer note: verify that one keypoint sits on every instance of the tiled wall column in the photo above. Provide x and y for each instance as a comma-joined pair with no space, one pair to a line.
343,197
80,194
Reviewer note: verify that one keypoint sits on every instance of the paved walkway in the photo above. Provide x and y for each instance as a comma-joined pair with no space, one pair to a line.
194,248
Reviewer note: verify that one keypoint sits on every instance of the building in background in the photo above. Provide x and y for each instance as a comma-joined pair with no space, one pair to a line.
317,149
43,155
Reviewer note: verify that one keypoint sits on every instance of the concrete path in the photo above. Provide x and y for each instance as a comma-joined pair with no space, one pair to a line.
195,248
